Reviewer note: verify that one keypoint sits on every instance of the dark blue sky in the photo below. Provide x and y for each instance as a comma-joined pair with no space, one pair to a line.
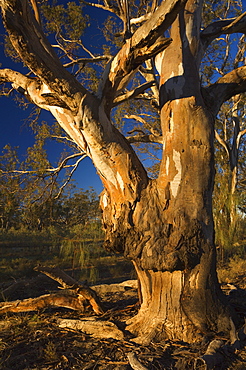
17,133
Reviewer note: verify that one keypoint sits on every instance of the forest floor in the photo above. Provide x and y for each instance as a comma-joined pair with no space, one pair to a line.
34,340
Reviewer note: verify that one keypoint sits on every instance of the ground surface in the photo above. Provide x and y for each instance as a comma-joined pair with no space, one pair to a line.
33,341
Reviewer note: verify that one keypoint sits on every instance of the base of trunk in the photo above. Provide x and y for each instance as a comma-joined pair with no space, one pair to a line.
175,306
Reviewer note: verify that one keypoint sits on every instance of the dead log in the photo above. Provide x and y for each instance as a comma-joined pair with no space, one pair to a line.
67,282
67,299
96,328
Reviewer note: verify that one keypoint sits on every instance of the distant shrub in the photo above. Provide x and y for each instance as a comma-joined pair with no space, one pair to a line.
235,267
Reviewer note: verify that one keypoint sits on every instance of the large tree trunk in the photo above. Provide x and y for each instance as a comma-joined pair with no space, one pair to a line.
180,305
170,234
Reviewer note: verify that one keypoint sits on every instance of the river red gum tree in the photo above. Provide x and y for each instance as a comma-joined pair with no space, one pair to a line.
165,225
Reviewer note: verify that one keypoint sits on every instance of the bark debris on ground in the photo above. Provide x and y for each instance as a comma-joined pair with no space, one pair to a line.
36,341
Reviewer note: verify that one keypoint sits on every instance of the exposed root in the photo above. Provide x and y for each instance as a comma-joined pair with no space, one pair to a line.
135,364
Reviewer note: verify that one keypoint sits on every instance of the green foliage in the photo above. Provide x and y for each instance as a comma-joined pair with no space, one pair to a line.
66,21
10,189
229,189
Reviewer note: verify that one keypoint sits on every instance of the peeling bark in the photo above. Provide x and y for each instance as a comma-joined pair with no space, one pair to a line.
175,305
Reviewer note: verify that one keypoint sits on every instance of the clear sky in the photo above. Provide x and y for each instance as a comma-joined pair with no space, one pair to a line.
17,133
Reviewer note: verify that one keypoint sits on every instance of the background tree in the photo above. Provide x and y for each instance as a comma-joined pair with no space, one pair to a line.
10,189
163,225
229,188
228,50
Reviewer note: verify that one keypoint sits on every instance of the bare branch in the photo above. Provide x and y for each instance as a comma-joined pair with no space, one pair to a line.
141,19
104,7
66,299
149,75
133,361
226,26
54,170
36,11
78,42
146,42
144,122
132,94
241,134
223,143
88,60
145,138
231,84
75,166
67,282
73,297
36,52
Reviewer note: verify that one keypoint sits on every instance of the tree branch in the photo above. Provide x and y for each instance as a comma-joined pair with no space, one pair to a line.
141,19
36,52
223,143
226,87
145,123
226,26
145,138
104,7
74,296
75,166
54,170
146,42
17,79
67,282
149,75
133,361
61,299
132,94
87,60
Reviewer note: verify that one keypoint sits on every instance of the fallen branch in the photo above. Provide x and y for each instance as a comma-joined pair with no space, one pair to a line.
74,296
67,282
91,326
66,299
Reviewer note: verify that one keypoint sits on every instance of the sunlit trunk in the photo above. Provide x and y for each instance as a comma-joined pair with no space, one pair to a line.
176,267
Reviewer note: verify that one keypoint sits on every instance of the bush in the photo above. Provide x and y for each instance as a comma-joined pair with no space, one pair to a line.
235,267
